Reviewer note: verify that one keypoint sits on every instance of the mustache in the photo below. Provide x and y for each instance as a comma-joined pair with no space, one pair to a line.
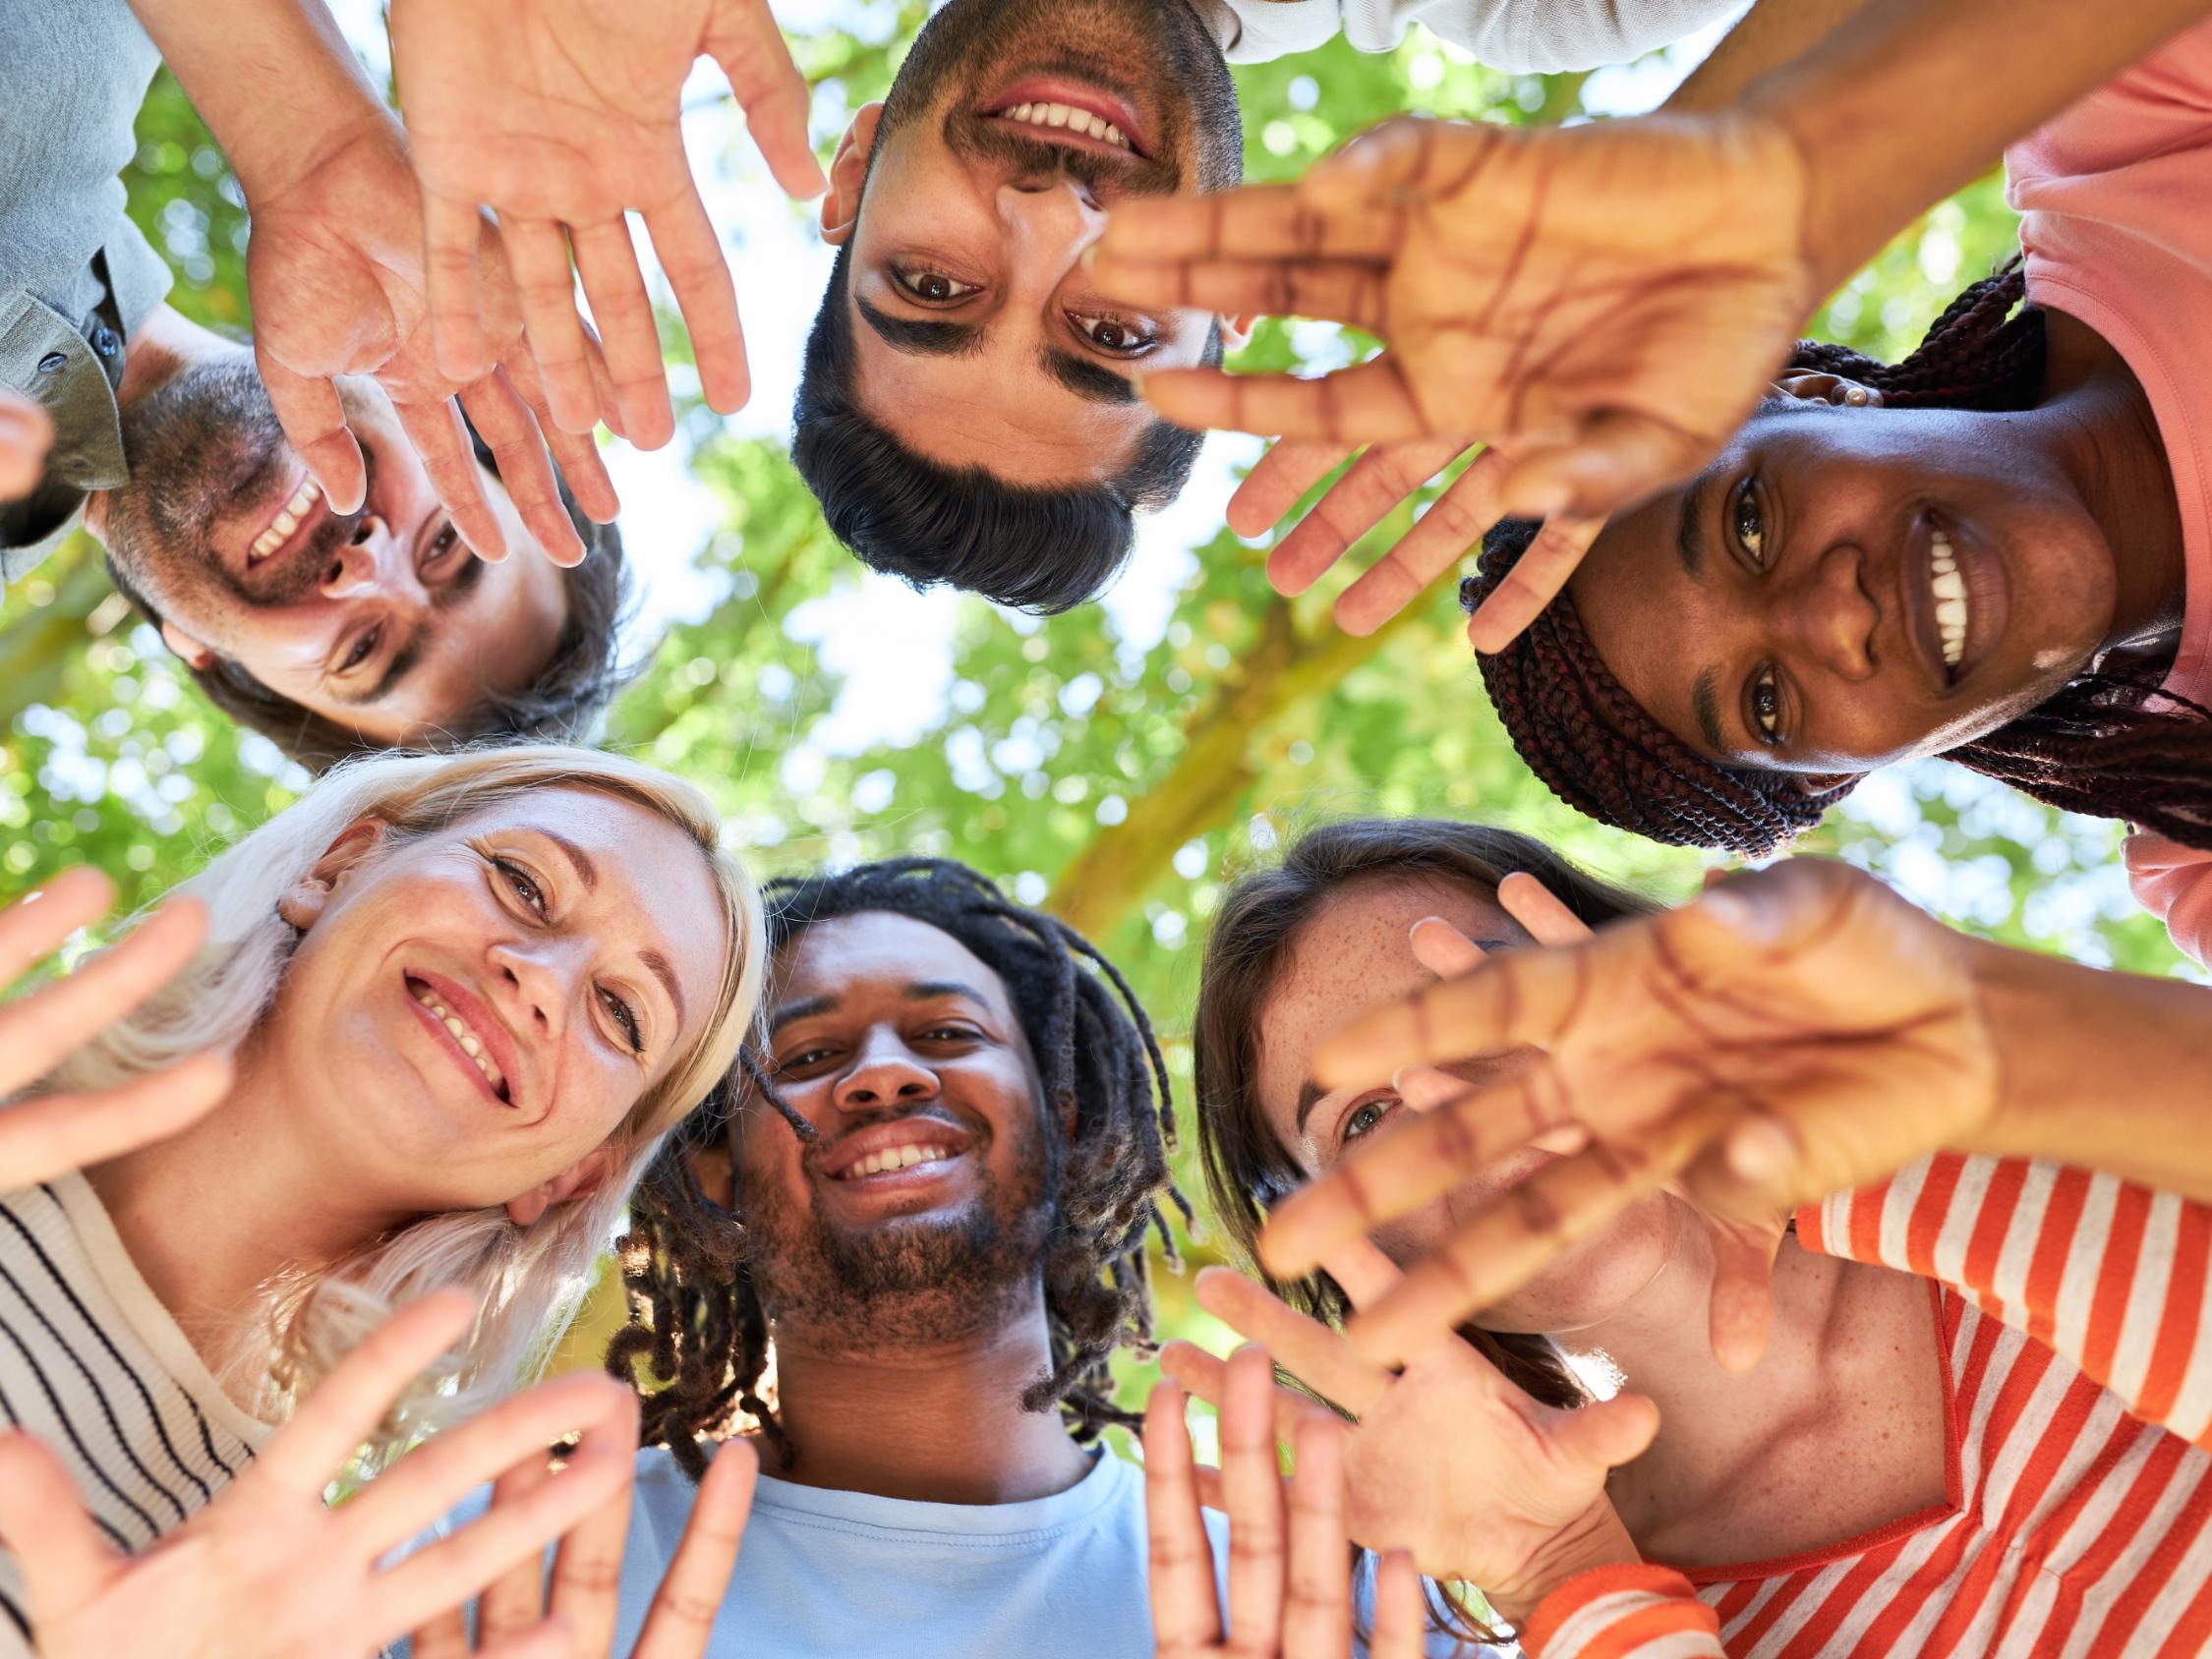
982,137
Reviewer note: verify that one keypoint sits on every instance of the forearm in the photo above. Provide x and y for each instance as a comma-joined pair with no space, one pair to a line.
274,79
1773,33
1910,99
2102,1071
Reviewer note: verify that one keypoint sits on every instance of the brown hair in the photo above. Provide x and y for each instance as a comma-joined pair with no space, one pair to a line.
2112,746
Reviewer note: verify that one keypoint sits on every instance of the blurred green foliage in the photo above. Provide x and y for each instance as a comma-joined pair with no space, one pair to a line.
1123,782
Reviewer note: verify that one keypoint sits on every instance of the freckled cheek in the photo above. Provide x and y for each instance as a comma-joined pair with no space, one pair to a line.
1409,1239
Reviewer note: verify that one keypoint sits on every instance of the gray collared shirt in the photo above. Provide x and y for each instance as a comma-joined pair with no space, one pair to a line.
76,276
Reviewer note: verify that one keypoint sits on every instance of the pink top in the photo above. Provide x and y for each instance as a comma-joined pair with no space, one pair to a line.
2115,203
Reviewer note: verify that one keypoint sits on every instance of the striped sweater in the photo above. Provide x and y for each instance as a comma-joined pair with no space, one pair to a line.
92,1363
2077,1518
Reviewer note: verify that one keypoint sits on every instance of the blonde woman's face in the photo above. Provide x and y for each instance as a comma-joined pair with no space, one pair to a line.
473,1013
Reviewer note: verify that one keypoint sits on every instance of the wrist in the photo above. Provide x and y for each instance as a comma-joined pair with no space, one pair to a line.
1593,1539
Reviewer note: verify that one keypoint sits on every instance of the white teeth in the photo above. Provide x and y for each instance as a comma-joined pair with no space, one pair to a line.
471,1043
1072,119
287,520
1949,588
895,1158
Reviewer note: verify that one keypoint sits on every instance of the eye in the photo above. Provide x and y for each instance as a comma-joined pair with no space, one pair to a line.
934,287
1364,1119
1121,336
801,1060
627,1017
444,543
364,647
1748,520
1765,701
523,884
949,1034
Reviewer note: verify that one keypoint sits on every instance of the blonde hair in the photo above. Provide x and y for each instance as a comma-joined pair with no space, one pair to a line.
528,1281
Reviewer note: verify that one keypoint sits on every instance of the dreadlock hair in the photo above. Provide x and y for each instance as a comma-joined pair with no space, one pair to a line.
705,1333
2098,746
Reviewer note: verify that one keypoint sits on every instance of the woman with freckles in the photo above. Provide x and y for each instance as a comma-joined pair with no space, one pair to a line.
462,1000
1960,1411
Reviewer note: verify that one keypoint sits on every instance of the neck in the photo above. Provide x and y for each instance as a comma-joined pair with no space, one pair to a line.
937,1424
2104,437
212,1215
1711,1422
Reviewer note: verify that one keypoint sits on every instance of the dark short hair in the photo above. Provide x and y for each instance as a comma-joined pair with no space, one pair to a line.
560,705
1037,550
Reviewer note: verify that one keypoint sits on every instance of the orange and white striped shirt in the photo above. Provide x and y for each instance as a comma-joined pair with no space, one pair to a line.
2077,1514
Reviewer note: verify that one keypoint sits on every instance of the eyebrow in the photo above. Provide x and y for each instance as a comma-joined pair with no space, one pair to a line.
923,991
922,339
586,871
1091,381
1688,530
1704,702
805,1008
658,965
1309,1095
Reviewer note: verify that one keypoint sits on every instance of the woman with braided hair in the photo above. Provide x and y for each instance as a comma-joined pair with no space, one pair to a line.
904,1246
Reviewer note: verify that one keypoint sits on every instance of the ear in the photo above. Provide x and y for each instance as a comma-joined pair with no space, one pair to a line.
305,900
1810,386
848,171
183,644
1821,782
714,1171
96,519
580,1179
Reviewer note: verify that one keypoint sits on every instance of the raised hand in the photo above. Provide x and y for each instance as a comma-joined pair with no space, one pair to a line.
59,1132
1605,302
1794,1032
1290,1595
560,115
1387,474
1446,1459
1741,1301
269,1570
334,269
584,1593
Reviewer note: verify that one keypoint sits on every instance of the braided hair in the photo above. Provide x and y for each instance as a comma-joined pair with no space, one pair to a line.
696,1316
2108,745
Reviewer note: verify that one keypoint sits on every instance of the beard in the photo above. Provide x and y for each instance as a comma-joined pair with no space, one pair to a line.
903,1281
205,444
972,47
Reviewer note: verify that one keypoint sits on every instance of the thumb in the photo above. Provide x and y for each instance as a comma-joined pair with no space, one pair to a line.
1607,1434
65,1563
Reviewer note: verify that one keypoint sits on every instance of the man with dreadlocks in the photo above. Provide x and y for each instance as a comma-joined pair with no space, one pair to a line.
921,1210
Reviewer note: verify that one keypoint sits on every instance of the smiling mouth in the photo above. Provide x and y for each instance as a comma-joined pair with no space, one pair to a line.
464,1037
289,517
1952,608
1060,117
897,1159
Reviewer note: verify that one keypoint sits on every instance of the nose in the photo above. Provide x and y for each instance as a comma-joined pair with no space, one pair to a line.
1828,620
371,563
1050,220
533,984
885,1073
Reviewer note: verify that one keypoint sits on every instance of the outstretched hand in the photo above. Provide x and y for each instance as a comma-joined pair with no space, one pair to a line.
1382,477
1604,302
1445,1460
269,1570
582,1596
1291,1602
55,1133
559,116
1795,1032
334,269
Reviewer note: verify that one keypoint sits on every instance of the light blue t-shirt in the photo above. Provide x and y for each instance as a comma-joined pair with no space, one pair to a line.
828,1574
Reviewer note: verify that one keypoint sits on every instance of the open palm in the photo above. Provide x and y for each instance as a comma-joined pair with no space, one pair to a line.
1605,302
1446,1459
1796,1032
560,116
